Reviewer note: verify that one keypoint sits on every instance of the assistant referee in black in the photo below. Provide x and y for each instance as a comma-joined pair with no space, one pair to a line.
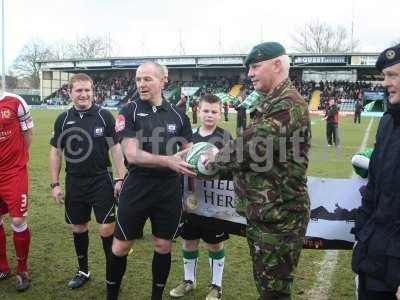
85,134
153,131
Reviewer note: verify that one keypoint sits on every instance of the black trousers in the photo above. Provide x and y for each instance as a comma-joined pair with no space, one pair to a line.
241,120
357,116
332,133
194,115
365,294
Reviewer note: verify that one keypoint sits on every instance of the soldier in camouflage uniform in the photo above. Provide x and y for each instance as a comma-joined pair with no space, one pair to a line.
269,165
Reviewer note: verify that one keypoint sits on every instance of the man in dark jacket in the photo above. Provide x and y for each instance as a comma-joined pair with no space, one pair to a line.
241,118
332,122
376,257
358,108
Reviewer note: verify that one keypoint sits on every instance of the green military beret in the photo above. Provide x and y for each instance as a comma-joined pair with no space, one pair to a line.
389,57
264,51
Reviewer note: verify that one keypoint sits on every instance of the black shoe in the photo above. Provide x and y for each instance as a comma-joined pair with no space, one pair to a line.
4,275
79,280
23,281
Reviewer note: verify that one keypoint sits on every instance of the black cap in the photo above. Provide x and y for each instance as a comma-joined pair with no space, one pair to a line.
389,57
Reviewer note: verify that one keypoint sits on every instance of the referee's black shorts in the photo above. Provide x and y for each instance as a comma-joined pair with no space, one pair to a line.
157,198
84,193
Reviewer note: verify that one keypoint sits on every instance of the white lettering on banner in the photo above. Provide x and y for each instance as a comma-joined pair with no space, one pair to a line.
57,65
93,63
219,60
364,60
176,61
319,60
333,204
130,62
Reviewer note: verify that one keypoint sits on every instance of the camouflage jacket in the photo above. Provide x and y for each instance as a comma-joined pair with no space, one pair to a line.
269,162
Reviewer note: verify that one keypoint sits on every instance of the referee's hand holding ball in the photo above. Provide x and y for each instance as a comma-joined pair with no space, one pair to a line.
177,163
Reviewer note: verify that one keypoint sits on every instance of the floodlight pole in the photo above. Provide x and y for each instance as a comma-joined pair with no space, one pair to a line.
3,60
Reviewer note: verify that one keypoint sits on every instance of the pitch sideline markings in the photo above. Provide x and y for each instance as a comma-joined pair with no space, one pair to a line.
322,286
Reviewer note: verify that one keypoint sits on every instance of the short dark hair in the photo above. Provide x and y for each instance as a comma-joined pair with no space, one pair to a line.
79,77
210,98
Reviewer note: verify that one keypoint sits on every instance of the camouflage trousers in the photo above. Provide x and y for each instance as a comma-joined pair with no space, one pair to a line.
275,257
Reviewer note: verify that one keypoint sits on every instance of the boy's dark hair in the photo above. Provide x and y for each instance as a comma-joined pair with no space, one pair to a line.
209,98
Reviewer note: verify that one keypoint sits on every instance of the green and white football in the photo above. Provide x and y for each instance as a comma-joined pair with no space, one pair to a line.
196,157
360,162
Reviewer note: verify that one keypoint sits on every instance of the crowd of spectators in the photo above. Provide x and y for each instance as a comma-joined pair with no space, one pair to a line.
305,88
346,90
115,87
120,87
341,91
215,85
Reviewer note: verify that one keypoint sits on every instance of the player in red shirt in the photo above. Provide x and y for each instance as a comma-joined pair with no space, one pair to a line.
15,137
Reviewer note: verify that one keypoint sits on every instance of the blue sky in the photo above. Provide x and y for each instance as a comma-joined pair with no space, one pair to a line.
153,27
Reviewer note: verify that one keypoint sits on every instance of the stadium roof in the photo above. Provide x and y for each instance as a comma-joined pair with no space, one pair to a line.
298,60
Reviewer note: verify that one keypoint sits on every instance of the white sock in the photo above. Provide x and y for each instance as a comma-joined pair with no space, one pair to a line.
217,269
190,268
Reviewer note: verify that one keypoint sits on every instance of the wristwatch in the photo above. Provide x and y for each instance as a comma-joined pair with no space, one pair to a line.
53,185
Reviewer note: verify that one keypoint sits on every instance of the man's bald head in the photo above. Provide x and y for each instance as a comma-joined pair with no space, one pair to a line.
156,67
150,82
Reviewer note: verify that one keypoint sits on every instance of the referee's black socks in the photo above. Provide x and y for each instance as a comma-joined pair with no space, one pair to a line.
81,242
160,267
107,244
116,266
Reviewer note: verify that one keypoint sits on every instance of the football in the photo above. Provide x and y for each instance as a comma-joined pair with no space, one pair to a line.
360,162
196,158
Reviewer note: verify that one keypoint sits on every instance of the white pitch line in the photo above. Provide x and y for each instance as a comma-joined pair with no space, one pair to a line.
322,285
365,140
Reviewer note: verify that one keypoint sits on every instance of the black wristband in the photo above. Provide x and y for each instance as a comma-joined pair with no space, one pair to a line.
53,185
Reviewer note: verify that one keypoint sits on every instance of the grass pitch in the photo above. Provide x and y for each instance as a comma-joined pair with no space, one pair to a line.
52,259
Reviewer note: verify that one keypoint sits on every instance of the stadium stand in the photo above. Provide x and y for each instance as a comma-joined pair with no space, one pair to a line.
235,90
315,100
114,90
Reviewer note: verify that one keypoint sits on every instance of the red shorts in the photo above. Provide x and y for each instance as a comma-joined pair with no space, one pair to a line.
14,194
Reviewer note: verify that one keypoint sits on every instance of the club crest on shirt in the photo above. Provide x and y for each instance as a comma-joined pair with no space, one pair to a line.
5,114
120,123
171,128
98,131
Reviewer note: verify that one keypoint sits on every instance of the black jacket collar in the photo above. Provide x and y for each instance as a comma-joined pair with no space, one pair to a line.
91,111
394,111
164,105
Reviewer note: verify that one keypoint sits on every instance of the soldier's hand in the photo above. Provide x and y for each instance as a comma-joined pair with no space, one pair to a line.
398,293
58,195
209,157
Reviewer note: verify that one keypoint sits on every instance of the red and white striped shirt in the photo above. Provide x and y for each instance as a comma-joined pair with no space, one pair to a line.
14,119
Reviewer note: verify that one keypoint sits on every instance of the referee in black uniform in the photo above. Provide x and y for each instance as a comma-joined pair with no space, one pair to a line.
153,131
85,133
